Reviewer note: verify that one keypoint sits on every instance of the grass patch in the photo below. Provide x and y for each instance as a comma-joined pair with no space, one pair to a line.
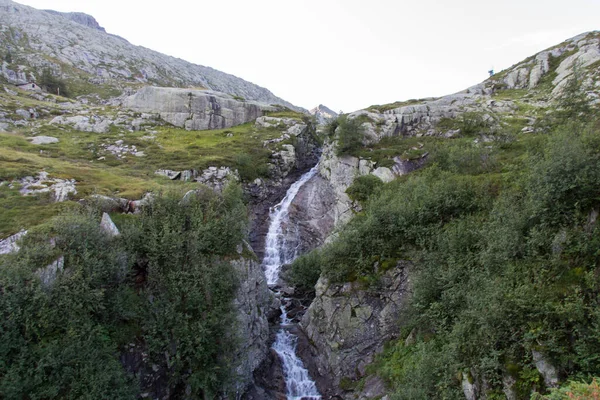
386,107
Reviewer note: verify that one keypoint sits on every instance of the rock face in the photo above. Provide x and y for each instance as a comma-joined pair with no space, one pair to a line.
195,109
80,18
348,325
56,40
252,302
311,213
286,166
337,173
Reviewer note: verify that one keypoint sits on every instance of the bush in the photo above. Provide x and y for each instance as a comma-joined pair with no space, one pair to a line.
164,284
350,135
363,187
505,261
52,84
305,271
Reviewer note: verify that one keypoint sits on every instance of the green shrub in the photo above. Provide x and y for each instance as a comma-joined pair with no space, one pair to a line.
505,261
164,284
350,135
363,187
305,271
53,84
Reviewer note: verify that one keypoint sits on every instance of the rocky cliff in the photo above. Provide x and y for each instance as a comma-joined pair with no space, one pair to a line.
347,324
195,109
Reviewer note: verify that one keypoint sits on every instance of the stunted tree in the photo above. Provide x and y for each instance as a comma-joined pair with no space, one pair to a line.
52,84
573,103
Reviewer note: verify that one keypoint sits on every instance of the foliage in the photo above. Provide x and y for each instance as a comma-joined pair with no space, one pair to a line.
575,391
164,284
305,271
349,133
53,84
363,187
505,261
573,104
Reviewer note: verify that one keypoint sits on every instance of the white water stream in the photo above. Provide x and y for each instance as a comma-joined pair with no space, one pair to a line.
299,385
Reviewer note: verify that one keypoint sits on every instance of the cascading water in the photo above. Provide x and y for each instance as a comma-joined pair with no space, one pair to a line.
278,251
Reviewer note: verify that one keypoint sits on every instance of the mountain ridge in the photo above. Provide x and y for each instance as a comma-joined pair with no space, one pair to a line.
38,39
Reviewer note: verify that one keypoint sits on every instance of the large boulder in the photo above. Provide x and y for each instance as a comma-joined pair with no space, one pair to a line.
194,109
347,324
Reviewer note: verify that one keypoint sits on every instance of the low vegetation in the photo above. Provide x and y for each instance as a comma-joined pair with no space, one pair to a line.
162,292
83,156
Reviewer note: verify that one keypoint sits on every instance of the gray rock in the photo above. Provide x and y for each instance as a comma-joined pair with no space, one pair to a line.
44,140
80,18
469,387
195,109
108,226
252,302
271,122
323,114
9,245
173,175
349,325
59,189
49,273
545,368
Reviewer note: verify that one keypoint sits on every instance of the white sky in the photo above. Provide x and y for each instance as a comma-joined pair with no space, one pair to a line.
346,54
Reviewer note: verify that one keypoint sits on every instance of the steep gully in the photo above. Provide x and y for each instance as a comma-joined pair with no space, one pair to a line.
278,252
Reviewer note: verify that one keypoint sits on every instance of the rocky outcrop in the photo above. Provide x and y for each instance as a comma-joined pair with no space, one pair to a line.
421,118
80,18
337,173
348,324
108,226
195,109
10,244
311,213
546,368
59,189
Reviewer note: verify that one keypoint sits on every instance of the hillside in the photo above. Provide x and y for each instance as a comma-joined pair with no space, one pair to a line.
447,247
461,257
95,63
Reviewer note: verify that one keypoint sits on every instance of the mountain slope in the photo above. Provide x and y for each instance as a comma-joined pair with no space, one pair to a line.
76,49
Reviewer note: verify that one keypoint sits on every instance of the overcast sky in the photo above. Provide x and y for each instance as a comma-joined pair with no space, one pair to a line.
346,54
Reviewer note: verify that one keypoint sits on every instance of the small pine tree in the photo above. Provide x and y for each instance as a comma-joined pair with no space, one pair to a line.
52,84
573,103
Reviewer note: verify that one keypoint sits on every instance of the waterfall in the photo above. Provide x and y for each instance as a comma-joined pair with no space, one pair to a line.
278,251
